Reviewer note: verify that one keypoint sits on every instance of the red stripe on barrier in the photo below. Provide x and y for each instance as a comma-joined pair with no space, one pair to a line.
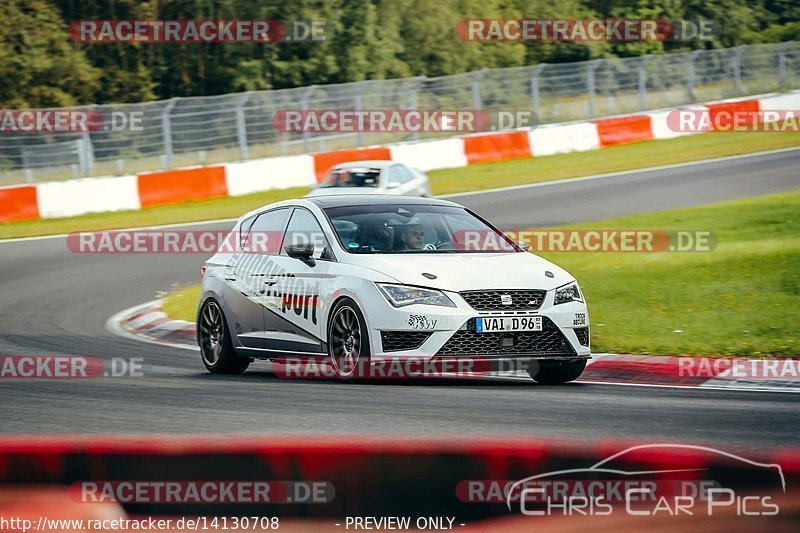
325,161
315,444
18,203
497,147
648,369
624,130
182,185
727,109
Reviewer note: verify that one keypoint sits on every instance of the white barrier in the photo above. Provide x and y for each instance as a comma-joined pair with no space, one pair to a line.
431,155
564,138
88,195
272,173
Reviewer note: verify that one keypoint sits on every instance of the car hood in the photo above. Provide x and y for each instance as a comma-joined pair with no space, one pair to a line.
329,191
465,271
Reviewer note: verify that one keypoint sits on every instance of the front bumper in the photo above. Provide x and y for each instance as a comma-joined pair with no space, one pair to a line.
426,332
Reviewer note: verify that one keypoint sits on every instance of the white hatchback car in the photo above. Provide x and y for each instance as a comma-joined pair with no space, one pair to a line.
374,177
364,278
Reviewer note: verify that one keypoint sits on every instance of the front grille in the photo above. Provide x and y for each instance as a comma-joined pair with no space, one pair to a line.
549,341
521,300
583,336
395,341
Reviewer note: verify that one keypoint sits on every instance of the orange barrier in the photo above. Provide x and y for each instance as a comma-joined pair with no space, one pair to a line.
176,186
18,203
729,108
497,147
324,161
624,130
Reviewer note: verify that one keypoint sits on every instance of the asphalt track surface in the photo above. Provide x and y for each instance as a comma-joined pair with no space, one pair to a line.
57,302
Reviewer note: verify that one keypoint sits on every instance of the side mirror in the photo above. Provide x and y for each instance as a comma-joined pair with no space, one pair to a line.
393,185
524,245
302,251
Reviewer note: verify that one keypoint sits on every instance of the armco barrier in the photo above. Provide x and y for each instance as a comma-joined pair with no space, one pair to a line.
497,147
325,161
373,476
91,195
624,130
176,186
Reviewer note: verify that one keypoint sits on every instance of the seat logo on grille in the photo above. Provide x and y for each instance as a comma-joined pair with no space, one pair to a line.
505,299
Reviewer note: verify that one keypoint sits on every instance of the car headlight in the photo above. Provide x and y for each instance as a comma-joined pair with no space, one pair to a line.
401,295
568,293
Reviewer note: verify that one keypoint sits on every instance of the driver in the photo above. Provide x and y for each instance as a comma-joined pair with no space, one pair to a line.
412,237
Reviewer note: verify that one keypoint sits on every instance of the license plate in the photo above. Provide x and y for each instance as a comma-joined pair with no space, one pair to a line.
508,323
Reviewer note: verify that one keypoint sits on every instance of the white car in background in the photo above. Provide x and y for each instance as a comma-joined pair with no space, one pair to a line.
374,177
370,278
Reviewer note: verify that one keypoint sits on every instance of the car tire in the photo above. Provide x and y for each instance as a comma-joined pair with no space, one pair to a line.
556,372
216,345
348,328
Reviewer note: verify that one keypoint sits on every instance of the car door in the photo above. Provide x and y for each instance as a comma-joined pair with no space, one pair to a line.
245,276
293,319
397,179
419,180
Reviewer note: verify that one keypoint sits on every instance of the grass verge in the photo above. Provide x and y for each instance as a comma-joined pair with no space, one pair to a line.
476,177
739,299
182,303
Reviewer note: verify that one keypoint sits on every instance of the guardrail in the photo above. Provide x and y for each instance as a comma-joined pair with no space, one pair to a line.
238,127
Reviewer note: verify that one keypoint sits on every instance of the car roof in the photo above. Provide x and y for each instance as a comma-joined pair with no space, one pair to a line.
375,163
347,200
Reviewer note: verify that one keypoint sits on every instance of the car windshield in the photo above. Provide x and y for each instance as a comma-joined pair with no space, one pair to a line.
352,177
399,229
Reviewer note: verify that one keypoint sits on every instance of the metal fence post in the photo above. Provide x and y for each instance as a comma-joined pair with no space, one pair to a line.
691,75
304,107
413,101
737,69
535,102
591,66
357,100
782,85
477,103
166,129
642,75
85,154
241,125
